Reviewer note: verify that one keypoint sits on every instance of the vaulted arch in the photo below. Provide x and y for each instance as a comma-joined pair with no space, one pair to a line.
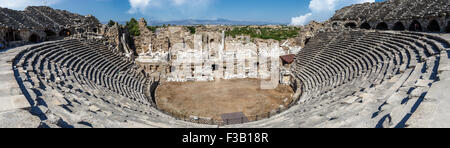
415,26
49,33
65,33
365,26
382,26
9,36
433,26
350,25
12,35
398,26
34,38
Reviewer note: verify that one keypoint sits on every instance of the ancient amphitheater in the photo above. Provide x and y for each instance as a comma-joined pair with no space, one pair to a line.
372,65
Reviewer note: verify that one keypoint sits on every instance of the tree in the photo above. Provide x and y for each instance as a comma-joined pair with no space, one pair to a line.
191,29
133,27
111,23
153,28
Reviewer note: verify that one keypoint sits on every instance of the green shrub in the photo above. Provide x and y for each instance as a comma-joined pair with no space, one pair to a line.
191,29
111,23
278,34
153,28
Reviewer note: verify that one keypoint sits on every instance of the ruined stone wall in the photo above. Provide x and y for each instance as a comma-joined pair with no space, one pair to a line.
232,58
307,32
144,40
176,47
113,35
165,38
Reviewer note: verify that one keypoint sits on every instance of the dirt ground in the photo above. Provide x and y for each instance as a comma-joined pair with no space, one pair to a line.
211,99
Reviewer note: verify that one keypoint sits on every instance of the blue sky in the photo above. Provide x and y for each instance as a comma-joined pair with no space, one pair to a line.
280,11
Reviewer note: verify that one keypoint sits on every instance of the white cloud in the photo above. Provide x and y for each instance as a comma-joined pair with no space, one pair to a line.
22,4
301,20
322,10
138,5
142,5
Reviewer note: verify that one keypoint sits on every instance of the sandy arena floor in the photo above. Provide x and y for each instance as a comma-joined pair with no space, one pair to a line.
211,99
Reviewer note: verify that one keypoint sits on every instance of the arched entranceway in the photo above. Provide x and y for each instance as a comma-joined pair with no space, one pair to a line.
34,38
448,27
382,26
415,26
365,26
433,26
350,25
65,33
398,26
49,33
11,35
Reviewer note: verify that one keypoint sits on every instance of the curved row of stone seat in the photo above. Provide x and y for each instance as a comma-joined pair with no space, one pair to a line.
78,83
393,43
53,14
346,66
395,99
41,17
19,19
43,20
78,67
362,79
393,10
14,18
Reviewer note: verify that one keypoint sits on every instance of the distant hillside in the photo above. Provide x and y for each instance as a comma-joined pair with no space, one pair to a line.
206,22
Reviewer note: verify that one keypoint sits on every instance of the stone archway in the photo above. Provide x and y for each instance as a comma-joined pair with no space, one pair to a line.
12,35
65,33
433,26
350,25
365,26
415,26
34,38
398,26
382,26
9,36
49,33
447,30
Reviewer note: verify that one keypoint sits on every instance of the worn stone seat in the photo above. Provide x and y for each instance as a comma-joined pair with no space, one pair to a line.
399,70
70,66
